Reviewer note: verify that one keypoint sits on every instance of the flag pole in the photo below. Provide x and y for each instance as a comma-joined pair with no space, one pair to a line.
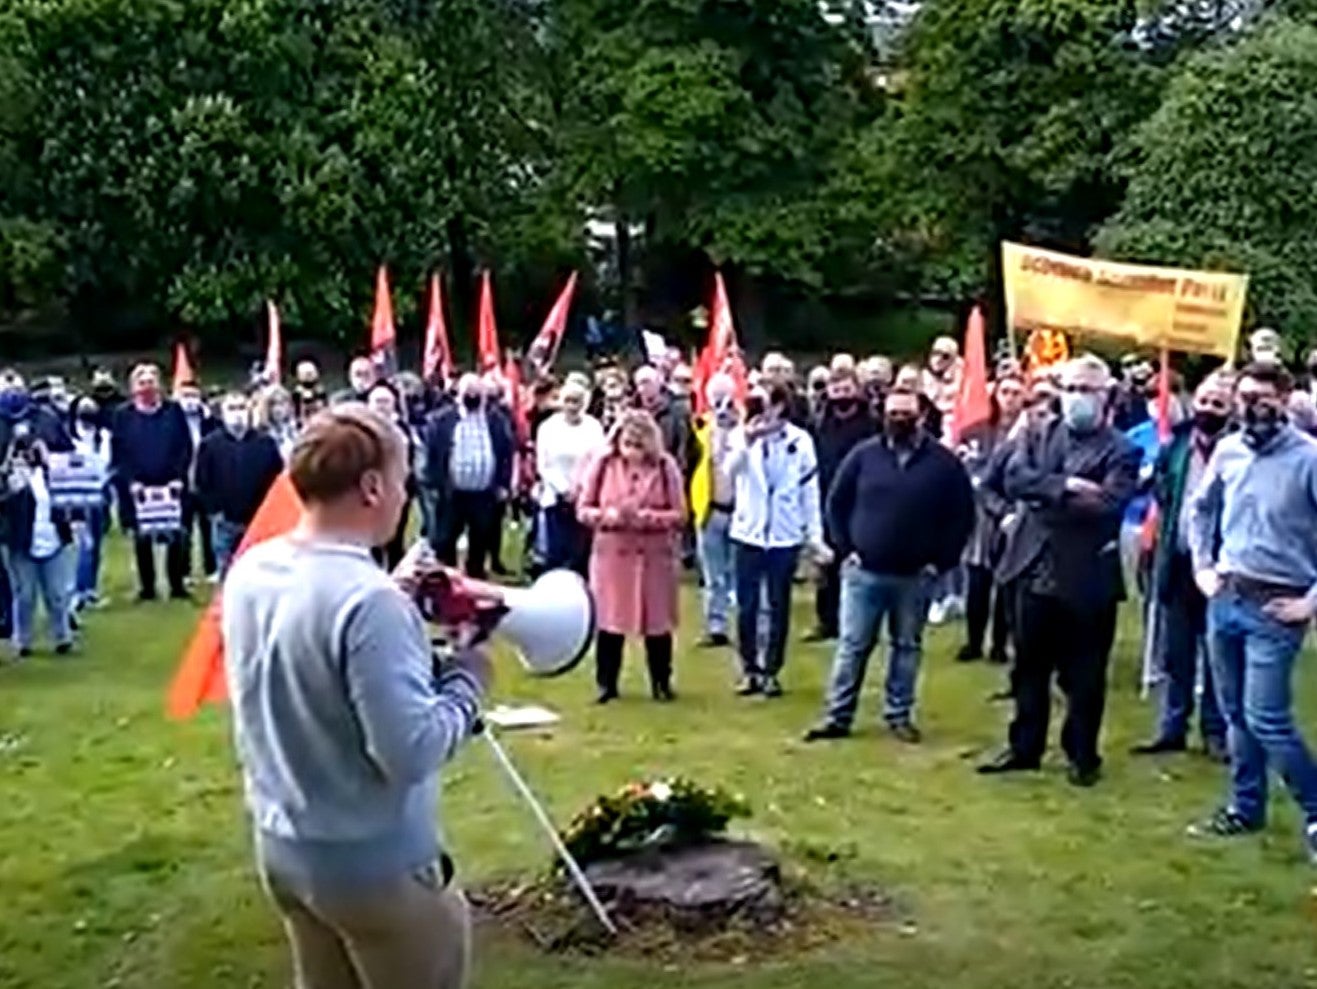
1151,676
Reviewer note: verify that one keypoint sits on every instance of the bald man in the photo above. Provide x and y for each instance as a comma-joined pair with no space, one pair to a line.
1183,615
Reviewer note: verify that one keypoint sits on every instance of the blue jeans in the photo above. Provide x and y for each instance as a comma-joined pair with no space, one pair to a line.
1253,660
718,570
771,569
90,536
1184,655
866,599
225,537
52,578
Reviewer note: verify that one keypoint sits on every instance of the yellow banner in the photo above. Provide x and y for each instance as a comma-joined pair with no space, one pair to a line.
1196,312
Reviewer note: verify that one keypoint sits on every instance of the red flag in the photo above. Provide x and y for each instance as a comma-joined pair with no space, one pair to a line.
274,347
382,335
516,399
544,348
436,357
200,674
1164,398
721,351
183,373
973,404
488,353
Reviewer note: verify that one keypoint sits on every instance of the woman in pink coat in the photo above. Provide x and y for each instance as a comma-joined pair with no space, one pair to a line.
633,500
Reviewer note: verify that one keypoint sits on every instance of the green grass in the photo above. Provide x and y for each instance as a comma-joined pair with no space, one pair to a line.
124,854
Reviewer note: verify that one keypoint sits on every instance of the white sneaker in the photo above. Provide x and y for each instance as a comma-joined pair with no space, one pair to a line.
937,613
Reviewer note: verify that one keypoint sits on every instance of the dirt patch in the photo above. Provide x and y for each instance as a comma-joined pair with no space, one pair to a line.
673,909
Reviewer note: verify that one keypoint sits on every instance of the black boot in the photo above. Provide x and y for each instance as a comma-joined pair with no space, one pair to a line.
658,657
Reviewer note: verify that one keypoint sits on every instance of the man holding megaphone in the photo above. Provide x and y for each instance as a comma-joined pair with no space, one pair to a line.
341,722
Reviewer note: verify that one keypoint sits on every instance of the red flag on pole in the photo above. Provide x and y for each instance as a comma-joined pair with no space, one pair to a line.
544,348
721,351
383,337
183,372
200,675
436,357
516,400
973,403
488,353
1148,534
274,345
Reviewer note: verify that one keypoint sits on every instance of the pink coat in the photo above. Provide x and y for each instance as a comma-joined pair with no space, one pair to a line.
636,558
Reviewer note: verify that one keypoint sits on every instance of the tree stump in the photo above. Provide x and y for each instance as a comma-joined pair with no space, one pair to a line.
694,888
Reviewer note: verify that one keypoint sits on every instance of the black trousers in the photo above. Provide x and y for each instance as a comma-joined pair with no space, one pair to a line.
471,512
176,565
827,598
608,659
1074,644
194,518
984,598
500,513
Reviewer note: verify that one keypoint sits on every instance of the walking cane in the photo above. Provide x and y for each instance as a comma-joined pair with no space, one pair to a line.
542,816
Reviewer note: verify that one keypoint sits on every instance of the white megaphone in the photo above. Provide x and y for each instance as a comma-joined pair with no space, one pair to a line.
550,624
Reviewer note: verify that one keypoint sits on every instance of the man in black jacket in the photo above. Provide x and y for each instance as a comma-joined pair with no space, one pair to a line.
844,423
236,466
150,447
1074,478
899,513
468,470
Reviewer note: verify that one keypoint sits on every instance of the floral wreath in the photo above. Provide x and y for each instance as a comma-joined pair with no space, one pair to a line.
660,814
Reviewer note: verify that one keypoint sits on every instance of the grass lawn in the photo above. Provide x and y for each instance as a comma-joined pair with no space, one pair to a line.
124,856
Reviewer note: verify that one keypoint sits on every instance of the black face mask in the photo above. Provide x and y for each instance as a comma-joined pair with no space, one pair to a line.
901,429
1210,424
471,402
87,416
1261,424
843,407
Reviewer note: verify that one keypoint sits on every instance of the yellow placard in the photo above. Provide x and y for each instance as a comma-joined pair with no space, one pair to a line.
1195,312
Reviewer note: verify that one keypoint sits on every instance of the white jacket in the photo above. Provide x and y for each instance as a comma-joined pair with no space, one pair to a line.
777,489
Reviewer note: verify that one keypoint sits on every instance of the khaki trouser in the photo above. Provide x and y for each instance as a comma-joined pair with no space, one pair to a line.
412,933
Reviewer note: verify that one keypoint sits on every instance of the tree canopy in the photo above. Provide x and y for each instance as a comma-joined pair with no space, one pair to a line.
184,161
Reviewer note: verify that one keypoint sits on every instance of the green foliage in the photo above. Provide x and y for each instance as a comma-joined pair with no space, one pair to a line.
198,157
663,814
1013,121
1226,175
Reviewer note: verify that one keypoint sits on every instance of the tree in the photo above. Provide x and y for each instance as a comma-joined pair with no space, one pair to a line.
1012,121
1226,173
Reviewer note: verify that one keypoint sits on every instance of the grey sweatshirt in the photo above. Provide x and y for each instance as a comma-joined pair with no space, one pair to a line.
1254,513
339,723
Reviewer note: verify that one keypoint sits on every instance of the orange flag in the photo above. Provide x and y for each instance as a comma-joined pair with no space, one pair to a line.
973,404
200,674
488,354
183,373
274,345
544,348
382,334
436,357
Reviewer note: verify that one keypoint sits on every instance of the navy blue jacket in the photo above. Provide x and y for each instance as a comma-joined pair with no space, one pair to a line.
151,448
439,447
20,512
234,474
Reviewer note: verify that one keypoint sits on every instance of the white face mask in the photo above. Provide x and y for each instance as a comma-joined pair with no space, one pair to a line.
235,422
191,406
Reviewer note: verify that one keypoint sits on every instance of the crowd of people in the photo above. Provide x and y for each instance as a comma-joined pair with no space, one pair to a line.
1032,524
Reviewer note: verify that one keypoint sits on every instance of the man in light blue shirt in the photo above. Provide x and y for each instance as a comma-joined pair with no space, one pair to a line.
1253,539
341,723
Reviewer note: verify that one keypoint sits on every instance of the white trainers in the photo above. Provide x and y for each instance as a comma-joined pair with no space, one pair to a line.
937,613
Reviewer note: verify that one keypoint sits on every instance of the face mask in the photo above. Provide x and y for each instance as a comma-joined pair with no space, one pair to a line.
235,422
843,407
87,416
1209,424
900,429
1261,424
1081,412
725,415
191,406
471,402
